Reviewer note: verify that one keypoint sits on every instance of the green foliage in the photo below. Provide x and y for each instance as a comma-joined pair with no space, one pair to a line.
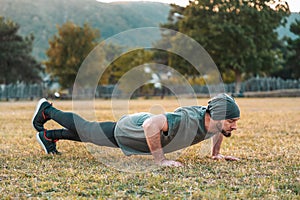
290,46
293,62
173,42
16,62
127,62
228,31
68,50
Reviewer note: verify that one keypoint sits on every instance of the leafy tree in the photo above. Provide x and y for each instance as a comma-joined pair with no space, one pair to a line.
239,35
176,14
127,62
16,62
293,61
112,51
68,50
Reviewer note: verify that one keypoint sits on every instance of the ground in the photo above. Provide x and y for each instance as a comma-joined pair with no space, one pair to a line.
267,142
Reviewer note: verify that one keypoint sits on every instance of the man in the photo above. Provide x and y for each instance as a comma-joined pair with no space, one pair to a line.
144,133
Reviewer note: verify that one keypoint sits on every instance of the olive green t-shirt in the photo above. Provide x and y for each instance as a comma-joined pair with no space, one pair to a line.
185,128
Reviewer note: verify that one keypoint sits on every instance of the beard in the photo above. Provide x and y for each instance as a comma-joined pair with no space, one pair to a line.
219,127
226,134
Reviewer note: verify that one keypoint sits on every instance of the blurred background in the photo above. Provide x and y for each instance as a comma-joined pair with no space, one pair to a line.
255,45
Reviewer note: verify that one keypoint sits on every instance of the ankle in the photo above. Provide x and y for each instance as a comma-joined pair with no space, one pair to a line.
49,136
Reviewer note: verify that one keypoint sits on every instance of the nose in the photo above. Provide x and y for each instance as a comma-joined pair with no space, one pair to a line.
234,126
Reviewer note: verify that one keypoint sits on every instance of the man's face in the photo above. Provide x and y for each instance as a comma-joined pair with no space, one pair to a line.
227,126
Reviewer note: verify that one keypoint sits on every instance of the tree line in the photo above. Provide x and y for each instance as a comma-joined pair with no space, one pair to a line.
239,35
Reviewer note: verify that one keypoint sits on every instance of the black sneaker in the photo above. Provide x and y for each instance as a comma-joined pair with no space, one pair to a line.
48,144
39,118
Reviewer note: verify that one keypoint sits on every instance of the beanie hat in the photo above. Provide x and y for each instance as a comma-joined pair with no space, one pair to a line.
223,107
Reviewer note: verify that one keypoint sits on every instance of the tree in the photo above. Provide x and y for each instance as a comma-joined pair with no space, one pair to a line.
175,17
293,61
68,50
239,35
16,62
128,61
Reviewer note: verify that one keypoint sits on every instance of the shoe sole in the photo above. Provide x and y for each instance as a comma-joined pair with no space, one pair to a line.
41,143
41,101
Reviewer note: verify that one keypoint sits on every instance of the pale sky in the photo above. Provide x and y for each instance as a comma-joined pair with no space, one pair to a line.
294,4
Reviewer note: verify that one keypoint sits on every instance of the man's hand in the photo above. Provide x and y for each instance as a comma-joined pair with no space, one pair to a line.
170,163
221,157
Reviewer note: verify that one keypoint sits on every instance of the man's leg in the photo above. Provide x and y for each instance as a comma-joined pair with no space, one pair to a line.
76,128
48,138
62,134
100,133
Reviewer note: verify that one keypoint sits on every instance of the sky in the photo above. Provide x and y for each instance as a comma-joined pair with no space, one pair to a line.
294,4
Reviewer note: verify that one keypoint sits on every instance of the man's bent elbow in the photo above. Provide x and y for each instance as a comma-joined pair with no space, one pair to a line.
152,125
146,124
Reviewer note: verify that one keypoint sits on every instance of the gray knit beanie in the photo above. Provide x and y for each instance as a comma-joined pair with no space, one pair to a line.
223,107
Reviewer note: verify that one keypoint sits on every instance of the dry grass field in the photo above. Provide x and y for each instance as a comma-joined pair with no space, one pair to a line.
267,142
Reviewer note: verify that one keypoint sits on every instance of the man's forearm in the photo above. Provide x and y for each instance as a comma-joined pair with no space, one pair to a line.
217,141
155,147
152,128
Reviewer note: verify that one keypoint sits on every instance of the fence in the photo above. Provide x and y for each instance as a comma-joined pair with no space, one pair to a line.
256,85
259,85
21,91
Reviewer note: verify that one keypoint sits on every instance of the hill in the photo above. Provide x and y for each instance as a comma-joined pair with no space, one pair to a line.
42,16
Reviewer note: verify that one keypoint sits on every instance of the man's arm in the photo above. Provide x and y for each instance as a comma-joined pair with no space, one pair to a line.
152,128
217,141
